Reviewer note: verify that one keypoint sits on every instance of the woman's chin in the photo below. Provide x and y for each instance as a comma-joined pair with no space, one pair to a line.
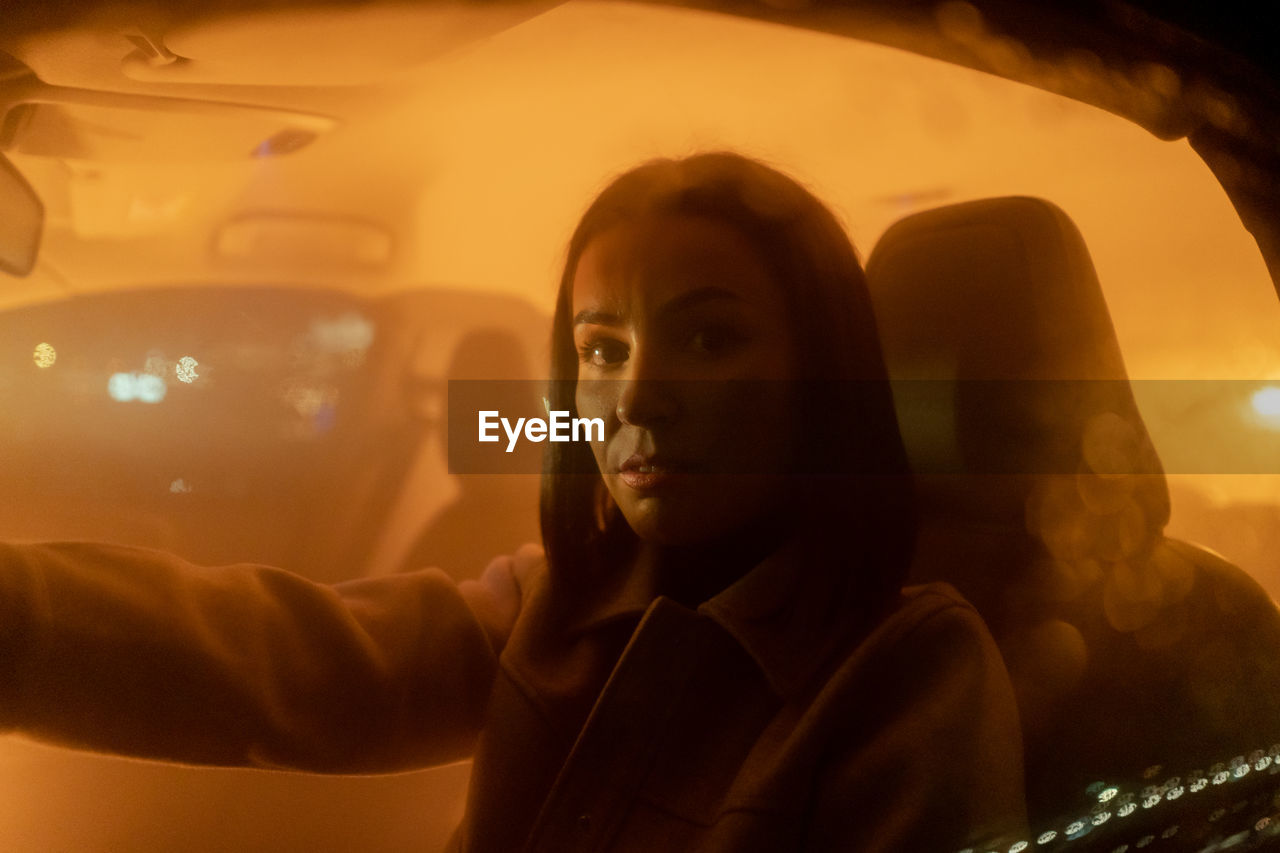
671,533
703,512
670,526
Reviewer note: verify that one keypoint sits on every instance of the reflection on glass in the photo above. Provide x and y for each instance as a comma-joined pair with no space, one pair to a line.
186,369
157,364
45,355
1113,801
308,398
1266,402
144,387
346,334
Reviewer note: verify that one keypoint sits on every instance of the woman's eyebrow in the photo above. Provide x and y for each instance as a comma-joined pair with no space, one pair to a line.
596,318
683,302
692,298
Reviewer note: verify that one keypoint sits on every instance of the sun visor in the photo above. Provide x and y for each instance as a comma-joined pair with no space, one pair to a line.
118,129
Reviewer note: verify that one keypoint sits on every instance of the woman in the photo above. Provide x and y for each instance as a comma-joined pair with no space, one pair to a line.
714,654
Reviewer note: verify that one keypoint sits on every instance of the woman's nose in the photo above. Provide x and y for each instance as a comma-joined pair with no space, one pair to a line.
645,402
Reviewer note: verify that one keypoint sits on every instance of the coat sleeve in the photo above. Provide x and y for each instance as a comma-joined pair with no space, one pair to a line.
137,652
936,765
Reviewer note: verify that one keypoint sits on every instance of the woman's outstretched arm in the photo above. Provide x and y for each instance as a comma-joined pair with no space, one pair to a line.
137,652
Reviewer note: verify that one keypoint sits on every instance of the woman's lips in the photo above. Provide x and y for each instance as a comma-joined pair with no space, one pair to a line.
645,473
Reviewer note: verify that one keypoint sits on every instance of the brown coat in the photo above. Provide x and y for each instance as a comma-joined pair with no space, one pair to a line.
760,722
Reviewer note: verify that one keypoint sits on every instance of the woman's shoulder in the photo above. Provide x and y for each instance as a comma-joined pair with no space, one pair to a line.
930,608
926,694
932,632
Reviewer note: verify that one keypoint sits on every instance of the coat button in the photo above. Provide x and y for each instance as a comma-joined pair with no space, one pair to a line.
584,823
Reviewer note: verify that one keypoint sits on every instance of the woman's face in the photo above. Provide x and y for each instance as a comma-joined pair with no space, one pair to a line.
684,352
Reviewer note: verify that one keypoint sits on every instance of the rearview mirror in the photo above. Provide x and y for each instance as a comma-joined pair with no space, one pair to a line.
21,221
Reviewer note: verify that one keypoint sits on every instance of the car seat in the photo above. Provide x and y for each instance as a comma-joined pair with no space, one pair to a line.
1133,656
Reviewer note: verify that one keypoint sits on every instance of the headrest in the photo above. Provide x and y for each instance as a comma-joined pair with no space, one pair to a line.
1005,362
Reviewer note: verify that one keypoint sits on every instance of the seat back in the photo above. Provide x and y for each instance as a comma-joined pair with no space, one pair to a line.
1044,502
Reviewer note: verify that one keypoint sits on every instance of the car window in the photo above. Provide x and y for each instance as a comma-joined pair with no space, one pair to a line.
239,351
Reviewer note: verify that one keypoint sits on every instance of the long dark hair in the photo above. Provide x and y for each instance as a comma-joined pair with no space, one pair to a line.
852,454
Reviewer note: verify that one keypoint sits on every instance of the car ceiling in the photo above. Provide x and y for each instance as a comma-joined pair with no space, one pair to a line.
456,144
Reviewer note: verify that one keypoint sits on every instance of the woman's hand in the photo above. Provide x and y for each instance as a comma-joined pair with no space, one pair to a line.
496,596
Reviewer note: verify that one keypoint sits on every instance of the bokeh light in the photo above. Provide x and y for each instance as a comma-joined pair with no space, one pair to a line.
186,369
45,355
143,387
1266,402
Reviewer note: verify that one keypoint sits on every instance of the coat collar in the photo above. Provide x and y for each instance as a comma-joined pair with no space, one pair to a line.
789,613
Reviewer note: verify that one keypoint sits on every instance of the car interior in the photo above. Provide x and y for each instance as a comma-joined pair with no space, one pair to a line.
246,246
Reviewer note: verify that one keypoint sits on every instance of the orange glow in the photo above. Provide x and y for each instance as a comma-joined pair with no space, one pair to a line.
477,158
466,140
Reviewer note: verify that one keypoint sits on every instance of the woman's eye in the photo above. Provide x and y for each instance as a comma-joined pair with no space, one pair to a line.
603,353
714,340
